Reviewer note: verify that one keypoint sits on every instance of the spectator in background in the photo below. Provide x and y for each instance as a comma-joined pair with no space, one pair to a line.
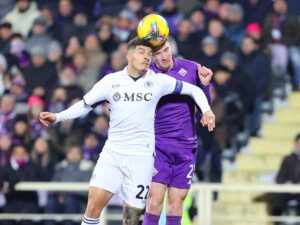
55,54
38,35
208,163
91,147
21,130
7,112
289,173
80,27
22,16
281,29
36,106
198,21
17,89
233,105
72,169
224,12
5,35
256,10
71,47
52,27
67,133
64,19
136,7
58,101
86,75
5,7
96,57
44,158
125,24
257,65
211,9
170,12
5,148
240,82
100,128
255,31
19,168
17,55
216,30
68,79
40,75
209,53
235,29
117,62
185,39
106,37
4,80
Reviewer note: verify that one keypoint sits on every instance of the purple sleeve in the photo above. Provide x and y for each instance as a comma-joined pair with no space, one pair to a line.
205,89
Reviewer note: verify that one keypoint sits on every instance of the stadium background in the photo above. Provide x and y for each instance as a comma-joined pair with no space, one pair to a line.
52,52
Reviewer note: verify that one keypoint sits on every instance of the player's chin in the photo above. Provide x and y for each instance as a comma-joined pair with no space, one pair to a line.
145,67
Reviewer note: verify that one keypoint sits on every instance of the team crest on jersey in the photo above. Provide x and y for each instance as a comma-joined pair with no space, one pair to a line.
182,72
116,96
155,171
148,84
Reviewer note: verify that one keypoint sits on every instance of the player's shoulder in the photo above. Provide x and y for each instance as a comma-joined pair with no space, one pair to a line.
155,75
111,76
187,63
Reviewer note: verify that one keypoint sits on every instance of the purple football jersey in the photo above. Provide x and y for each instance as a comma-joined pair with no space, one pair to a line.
175,121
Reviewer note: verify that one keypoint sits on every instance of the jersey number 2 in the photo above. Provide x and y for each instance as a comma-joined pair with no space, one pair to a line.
140,194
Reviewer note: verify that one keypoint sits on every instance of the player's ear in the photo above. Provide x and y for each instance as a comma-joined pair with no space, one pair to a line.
128,56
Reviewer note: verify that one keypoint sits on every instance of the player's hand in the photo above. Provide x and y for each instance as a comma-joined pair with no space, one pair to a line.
47,118
204,74
208,119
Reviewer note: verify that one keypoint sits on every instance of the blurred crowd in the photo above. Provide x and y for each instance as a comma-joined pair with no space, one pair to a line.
53,51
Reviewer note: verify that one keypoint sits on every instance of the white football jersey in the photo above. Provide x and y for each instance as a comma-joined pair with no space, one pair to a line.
132,106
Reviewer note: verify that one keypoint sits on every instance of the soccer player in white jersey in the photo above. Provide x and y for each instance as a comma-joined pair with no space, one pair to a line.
125,165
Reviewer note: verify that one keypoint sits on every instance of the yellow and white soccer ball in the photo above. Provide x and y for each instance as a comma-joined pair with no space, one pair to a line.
154,29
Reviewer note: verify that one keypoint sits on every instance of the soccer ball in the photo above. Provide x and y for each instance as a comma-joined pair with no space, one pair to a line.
154,29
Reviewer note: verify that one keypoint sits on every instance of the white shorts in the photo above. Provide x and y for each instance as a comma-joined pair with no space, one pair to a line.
129,176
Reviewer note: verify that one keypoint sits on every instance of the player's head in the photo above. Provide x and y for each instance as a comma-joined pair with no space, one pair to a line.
162,56
139,55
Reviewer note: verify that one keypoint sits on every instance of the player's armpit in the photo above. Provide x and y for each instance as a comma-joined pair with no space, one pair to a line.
131,215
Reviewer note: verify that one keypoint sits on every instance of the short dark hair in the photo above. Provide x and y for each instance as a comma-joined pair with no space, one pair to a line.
222,68
135,42
297,138
6,25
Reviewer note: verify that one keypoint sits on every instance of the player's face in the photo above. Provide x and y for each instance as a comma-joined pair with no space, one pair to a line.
163,57
139,59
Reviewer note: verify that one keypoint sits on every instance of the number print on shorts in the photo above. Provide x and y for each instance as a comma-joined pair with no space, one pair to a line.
190,174
140,194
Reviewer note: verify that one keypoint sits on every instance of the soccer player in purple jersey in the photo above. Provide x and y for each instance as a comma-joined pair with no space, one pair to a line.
175,138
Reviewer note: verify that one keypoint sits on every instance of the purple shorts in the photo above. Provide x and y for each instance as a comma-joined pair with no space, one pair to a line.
174,168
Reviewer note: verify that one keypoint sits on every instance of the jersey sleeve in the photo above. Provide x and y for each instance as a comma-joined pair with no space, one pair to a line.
99,91
77,110
172,86
169,85
197,94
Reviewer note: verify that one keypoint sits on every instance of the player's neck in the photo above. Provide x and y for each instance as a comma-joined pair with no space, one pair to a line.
134,73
